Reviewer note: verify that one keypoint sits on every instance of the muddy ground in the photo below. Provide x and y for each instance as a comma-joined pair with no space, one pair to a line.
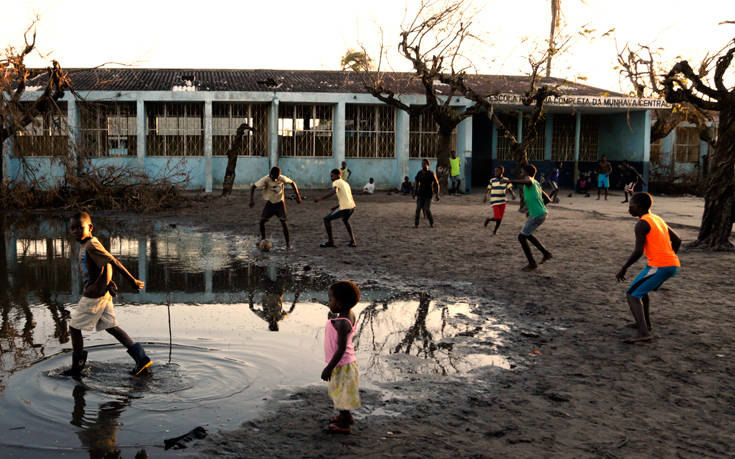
575,390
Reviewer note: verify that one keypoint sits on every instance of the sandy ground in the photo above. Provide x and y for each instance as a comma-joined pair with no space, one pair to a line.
576,389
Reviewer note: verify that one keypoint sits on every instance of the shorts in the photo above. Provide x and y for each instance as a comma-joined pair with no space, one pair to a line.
94,314
344,214
532,224
650,279
456,179
274,208
554,184
344,387
498,211
603,181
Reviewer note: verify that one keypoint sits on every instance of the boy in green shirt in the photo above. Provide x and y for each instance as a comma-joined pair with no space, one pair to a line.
455,176
533,197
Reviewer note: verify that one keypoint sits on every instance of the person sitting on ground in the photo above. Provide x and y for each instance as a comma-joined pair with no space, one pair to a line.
273,186
406,186
344,209
497,191
659,243
369,187
339,353
631,179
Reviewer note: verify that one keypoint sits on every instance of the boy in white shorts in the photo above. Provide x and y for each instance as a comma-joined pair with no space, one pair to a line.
95,310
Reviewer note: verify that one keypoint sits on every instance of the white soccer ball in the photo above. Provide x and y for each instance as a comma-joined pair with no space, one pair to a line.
265,245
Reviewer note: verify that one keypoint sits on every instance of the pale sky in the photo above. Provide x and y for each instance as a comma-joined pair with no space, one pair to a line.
287,34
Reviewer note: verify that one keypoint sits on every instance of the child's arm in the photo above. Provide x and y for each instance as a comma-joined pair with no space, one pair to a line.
296,190
510,190
252,195
436,183
328,195
487,193
343,329
675,240
98,288
523,181
101,257
641,229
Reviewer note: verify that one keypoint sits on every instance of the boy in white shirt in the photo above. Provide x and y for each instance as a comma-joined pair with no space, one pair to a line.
369,187
344,209
273,185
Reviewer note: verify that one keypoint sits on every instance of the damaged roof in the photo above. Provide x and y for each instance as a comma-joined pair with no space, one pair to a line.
325,81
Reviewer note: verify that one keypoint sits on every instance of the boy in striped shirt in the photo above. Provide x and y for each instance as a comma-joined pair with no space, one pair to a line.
497,190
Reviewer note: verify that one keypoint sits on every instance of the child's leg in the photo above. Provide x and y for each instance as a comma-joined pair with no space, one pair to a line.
348,225
523,239
345,418
135,350
497,225
646,312
285,233
262,228
427,211
328,228
537,243
636,308
419,205
121,336
77,340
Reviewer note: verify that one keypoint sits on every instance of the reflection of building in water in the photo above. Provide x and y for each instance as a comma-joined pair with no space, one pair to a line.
272,299
98,434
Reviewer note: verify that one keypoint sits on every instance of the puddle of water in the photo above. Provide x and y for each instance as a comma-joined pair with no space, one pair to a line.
221,360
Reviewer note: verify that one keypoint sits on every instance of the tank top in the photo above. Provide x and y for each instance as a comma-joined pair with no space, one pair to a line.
658,248
331,343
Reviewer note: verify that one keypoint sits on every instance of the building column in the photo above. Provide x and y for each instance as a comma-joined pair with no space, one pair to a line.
464,150
143,262
548,136
577,136
72,121
338,134
646,147
519,130
273,133
140,123
494,142
208,146
402,146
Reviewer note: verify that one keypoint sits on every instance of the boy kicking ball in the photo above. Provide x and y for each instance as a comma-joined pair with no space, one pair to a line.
660,244
344,208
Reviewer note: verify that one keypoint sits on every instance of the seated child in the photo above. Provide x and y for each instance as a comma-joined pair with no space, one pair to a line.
369,187
406,186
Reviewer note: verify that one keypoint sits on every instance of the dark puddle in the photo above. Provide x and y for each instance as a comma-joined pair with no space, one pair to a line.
208,315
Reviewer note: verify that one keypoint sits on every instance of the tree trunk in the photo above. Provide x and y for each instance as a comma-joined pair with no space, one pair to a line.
716,226
232,154
442,158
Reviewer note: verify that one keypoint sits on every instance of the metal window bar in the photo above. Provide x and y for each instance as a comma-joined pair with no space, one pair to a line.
305,130
686,149
589,138
47,135
423,136
107,129
535,150
369,131
562,141
656,150
175,129
227,117
510,121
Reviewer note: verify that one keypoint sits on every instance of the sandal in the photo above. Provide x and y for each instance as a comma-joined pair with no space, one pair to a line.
336,429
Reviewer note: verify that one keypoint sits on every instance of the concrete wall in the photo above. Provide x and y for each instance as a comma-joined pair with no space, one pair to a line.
624,136
680,172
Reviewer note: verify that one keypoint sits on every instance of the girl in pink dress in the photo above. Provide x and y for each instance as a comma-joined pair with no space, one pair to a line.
339,353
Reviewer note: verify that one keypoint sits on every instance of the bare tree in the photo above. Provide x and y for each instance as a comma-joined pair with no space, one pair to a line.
14,77
554,26
232,153
682,84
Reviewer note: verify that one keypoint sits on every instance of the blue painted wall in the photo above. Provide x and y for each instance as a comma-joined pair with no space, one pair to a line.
622,136
312,172
248,170
384,171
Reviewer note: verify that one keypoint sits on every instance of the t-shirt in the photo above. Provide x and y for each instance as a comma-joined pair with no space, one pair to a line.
346,173
658,249
533,199
424,183
454,164
369,187
273,189
344,194
497,191
93,257
554,175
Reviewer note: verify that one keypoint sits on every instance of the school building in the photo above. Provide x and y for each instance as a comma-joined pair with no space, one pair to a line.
308,122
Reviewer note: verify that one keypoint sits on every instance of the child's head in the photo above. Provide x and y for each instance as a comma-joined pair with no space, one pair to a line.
454,154
558,165
405,179
275,173
343,296
372,180
425,164
640,204
499,171
528,170
335,174
344,164
80,226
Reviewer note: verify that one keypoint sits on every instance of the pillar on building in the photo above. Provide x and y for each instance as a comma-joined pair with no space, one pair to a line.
548,136
402,146
208,146
140,123
577,136
273,133
143,261
493,142
72,120
646,147
464,150
519,130
338,134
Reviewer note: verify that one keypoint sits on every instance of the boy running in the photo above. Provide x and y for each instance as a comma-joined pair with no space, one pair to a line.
273,185
95,310
660,244
426,185
536,211
554,181
497,191
344,209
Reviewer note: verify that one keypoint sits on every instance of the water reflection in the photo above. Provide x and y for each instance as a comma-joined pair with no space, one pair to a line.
98,429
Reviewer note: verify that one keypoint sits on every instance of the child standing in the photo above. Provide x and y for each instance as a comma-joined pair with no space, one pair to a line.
344,209
339,353
497,191
95,309
660,244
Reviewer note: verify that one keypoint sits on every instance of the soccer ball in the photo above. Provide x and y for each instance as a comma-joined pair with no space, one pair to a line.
265,245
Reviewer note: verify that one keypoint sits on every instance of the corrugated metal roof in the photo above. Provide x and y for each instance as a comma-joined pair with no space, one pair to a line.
325,81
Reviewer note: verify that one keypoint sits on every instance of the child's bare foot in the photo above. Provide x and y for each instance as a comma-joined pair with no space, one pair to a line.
634,326
638,339
487,220
547,256
529,268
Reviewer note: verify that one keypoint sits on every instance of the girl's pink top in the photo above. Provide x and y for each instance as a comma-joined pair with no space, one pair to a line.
331,340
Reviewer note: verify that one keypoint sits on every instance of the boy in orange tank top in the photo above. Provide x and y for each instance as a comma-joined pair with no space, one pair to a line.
660,245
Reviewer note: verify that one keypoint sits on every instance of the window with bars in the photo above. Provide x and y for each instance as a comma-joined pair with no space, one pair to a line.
562,140
655,151
47,135
510,121
107,129
174,129
424,136
227,117
370,131
686,149
535,150
589,138
305,130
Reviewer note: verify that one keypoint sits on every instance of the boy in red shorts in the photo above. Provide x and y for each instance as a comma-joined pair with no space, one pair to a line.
496,189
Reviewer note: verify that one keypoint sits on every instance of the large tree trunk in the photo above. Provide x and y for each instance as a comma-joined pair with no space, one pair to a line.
716,226
232,154
442,158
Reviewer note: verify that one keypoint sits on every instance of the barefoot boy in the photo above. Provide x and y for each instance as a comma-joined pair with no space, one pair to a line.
659,243
273,185
95,310
497,191
536,211
344,209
